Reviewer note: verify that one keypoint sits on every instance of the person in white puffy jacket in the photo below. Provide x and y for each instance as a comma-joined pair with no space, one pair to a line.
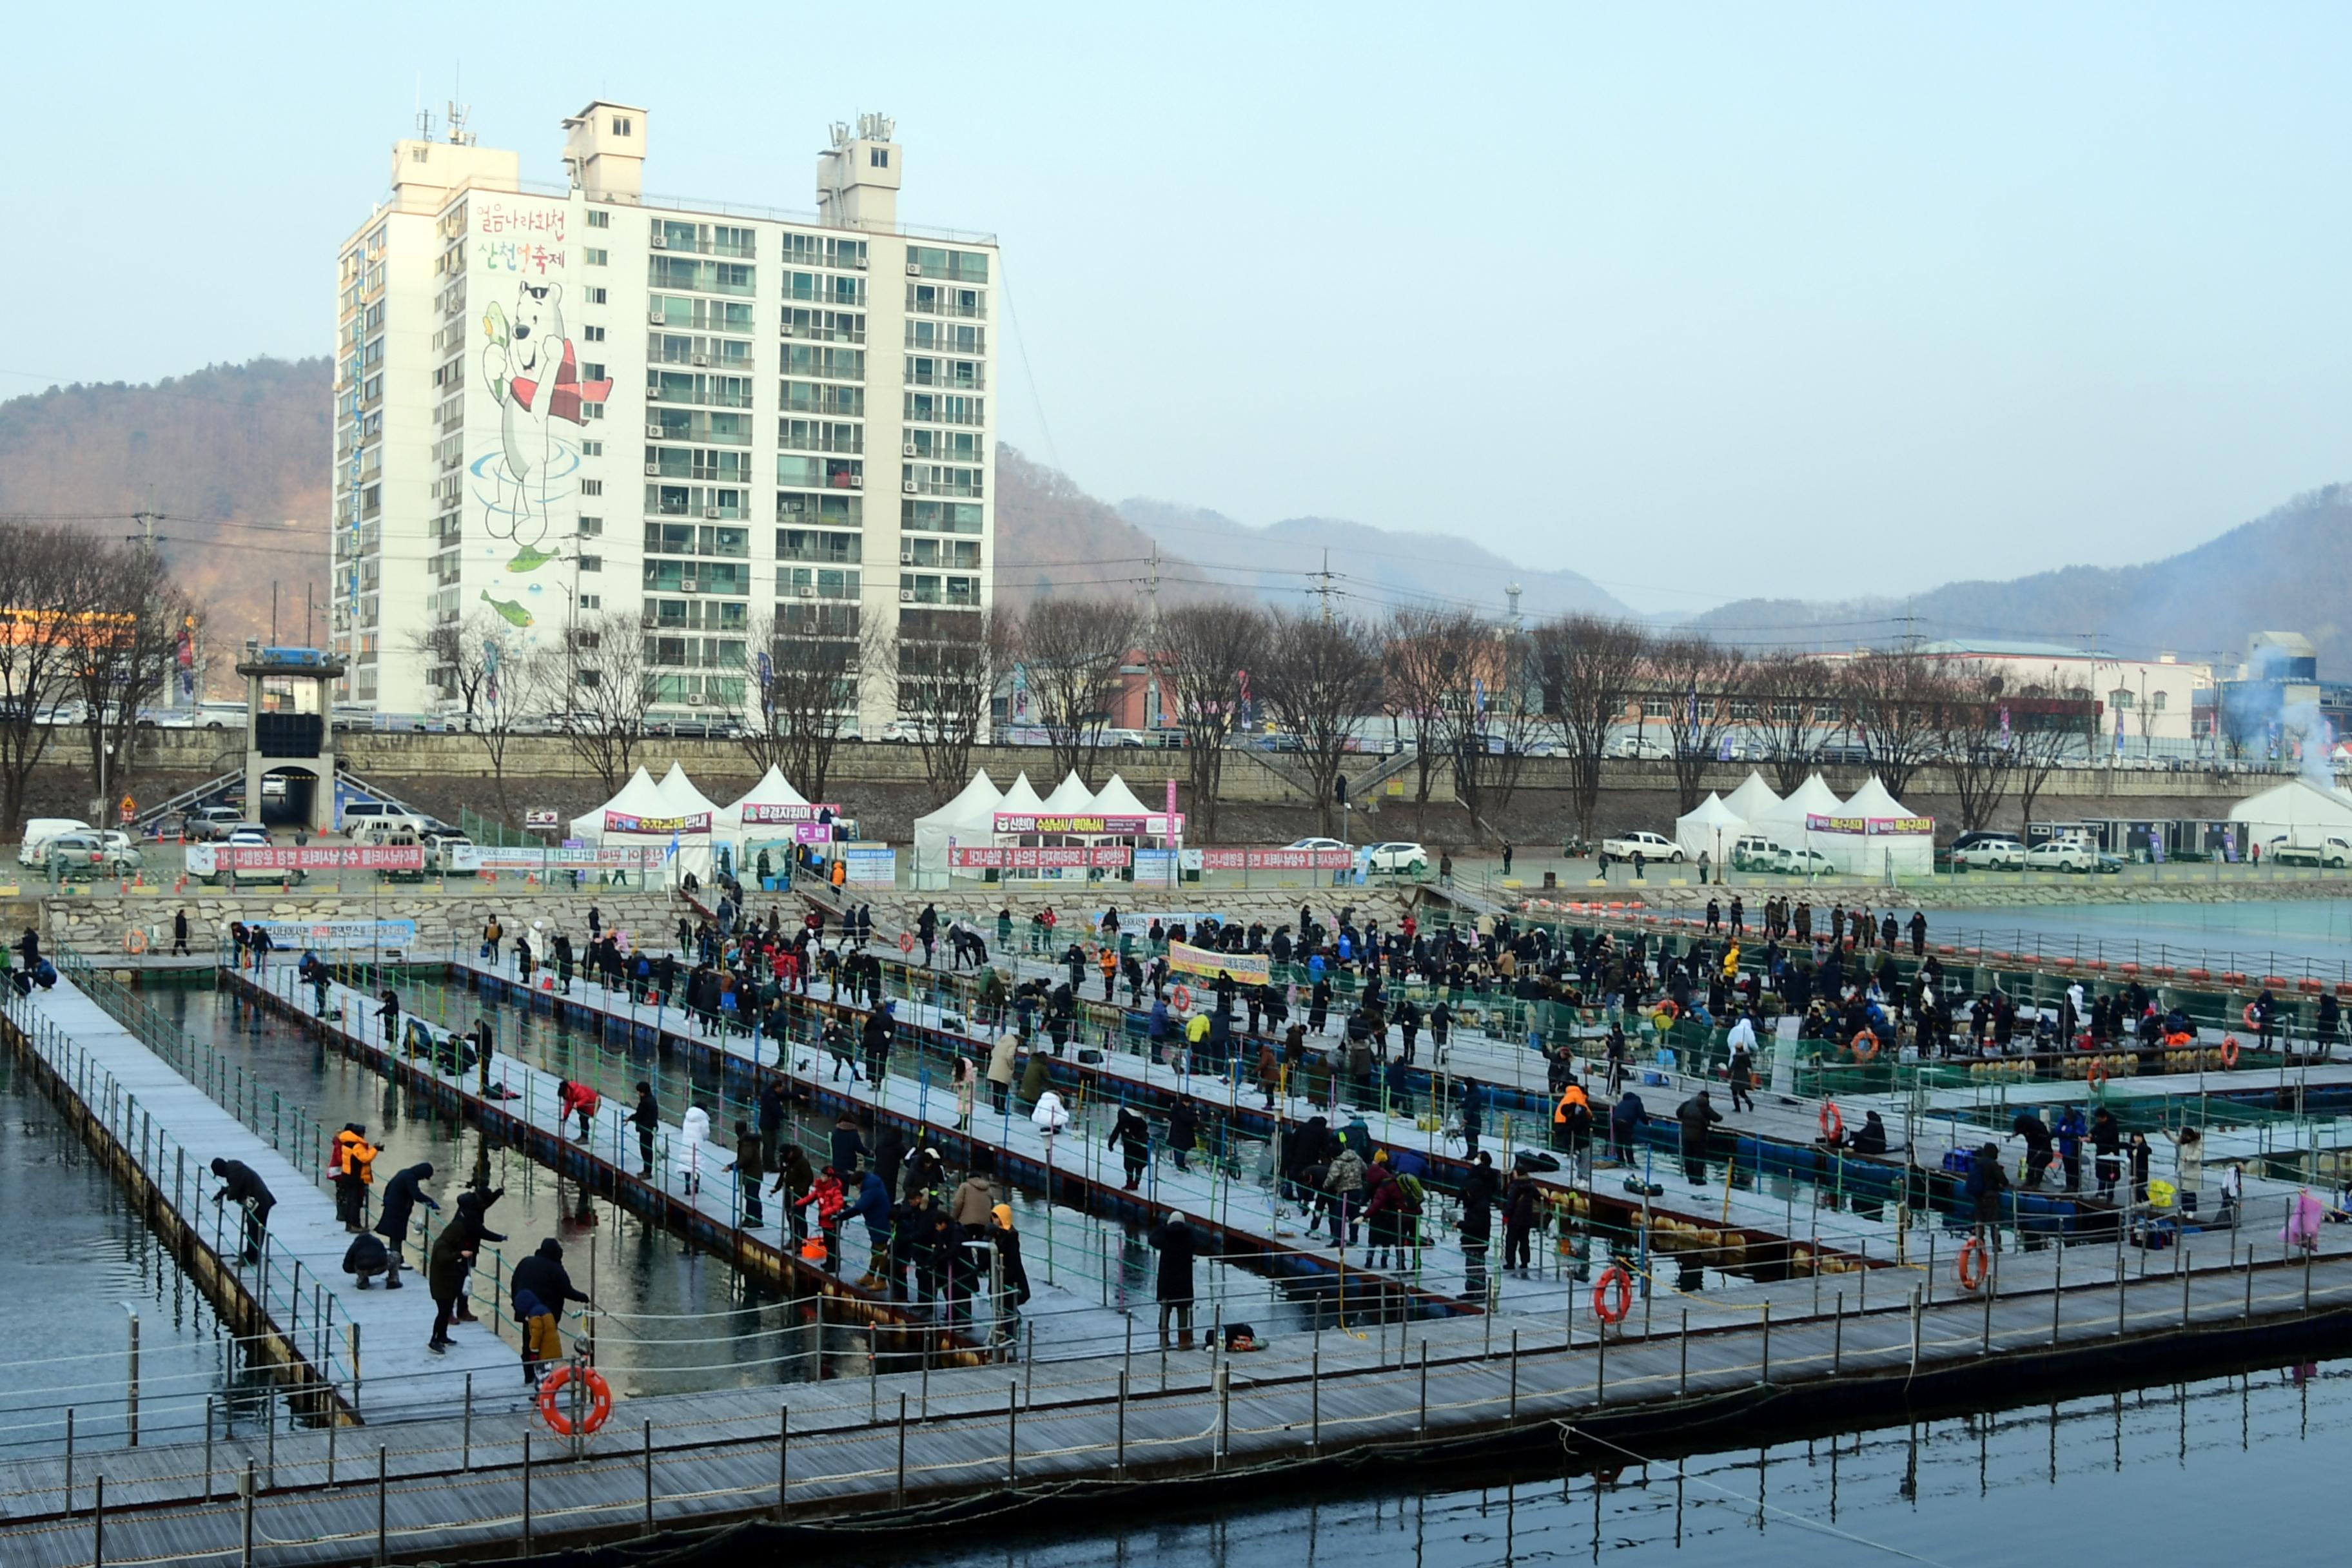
1050,1117
695,1128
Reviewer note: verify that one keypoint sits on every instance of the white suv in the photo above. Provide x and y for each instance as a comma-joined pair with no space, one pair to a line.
1990,852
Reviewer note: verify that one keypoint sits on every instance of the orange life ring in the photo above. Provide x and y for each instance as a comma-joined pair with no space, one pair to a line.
600,1399
2228,1051
1183,1000
134,939
2248,1014
2098,1073
1860,1054
905,941
1614,1285
1974,1252
1832,1121
1669,1009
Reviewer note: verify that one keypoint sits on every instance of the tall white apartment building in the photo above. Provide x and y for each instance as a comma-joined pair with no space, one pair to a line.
554,401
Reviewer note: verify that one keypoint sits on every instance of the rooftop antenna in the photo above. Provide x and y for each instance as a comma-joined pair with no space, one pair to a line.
458,135
423,115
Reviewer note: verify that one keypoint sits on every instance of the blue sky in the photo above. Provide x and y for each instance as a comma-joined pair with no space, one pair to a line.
1702,301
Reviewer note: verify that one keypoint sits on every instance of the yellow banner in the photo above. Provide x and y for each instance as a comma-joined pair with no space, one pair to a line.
1247,968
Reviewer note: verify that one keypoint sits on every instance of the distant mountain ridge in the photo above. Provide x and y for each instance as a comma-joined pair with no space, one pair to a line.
242,452
1377,567
2287,570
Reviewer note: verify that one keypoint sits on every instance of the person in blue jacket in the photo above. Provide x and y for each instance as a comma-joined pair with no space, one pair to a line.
2069,1132
873,1206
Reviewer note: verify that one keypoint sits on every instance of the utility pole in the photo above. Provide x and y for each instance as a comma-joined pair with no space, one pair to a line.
1151,649
1322,589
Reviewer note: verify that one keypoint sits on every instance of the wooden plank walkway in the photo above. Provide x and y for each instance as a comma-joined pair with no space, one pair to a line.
982,1431
692,1194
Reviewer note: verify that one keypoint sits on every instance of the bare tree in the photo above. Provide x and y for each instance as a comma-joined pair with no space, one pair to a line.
800,703
1505,716
598,677
38,565
1321,678
1699,680
949,662
1585,669
1425,677
481,666
2045,732
122,641
1786,688
1978,756
1074,652
1205,653
1898,703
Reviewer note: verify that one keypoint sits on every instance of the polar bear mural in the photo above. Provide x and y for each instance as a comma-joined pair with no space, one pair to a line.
533,372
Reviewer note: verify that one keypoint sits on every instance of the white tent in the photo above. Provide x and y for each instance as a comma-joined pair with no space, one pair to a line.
773,789
1021,799
1907,854
641,797
638,797
1071,797
2299,811
1117,800
1786,824
968,820
1873,800
1709,829
680,798
1753,801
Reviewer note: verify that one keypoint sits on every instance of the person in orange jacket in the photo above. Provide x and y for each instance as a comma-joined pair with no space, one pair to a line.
352,1160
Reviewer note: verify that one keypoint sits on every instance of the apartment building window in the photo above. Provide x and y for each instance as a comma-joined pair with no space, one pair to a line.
591,526
592,487
822,473
2156,701
958,553
592,564
939,516
878,157
596,257
592,448
591,602
691,538
956,266
600,220
594,334
622,125
1657,708
816,583
820,548
828,511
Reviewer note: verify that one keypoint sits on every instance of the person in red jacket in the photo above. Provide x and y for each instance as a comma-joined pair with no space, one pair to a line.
826,1193
576,1099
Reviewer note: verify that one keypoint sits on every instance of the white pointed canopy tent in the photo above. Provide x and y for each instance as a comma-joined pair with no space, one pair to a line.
1894,837
1753,801
968,820
1022,798
642,815
1709,829
773,789
1071,797
1115,799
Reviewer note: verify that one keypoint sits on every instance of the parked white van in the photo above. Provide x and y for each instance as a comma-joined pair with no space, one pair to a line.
39,830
